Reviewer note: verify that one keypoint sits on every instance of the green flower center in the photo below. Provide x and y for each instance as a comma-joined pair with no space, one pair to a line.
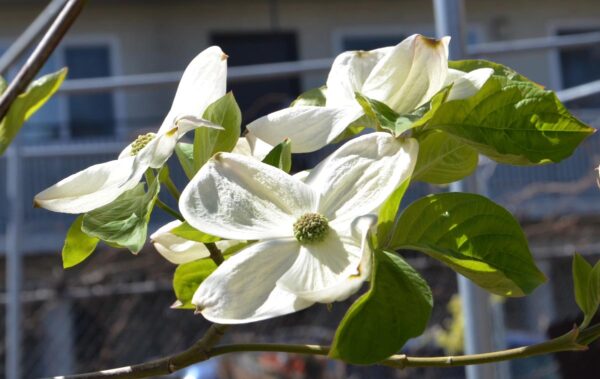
140,142
311,227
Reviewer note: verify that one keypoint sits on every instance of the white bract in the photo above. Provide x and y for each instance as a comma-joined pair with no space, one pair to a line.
403,77
202,83
179,250
313,244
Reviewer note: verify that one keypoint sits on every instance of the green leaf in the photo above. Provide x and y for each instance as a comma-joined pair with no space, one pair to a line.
385,117
124,222
443,159
3,85
185,155
313,97
188,232
388,213
208,141
188,277
512,122
78,245
475,237
26,104
280,156
586,280
396,308
469,65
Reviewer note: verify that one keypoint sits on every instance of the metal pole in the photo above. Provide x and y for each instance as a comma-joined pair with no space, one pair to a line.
449,21
33,31
13,262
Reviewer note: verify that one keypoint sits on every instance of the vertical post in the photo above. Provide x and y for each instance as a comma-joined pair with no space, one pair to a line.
479,336
13,261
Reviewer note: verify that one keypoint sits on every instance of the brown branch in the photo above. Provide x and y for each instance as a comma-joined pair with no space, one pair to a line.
40,55
571,341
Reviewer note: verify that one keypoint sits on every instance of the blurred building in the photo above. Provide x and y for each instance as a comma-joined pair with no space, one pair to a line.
557,204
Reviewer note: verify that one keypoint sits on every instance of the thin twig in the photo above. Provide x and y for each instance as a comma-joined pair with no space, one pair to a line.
40,55
572,341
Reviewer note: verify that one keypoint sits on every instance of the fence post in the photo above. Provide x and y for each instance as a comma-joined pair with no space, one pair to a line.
14,194
478,316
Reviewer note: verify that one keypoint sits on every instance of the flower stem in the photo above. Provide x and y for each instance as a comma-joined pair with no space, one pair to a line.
172,188
203,350
215,253
169,210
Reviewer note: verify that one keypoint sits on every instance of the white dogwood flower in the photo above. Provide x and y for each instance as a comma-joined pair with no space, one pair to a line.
202,83
179,250
312,241
404,77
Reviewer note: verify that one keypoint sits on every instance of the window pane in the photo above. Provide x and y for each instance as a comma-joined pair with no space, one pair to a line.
90,115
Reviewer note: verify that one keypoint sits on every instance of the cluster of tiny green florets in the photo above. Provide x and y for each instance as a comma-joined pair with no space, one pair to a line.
140,142
311,227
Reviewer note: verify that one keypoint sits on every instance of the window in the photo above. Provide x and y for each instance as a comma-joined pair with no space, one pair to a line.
76,116
579,66
265,96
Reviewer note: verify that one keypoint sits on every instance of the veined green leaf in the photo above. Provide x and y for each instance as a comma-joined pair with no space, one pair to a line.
26,104
512,122
586,280
78,245
208,141
185,230
185,155
396,308
124,222
475,237
469,65
280,156
388,213
313,97
443,159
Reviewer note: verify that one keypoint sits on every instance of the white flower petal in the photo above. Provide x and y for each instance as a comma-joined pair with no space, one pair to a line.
308,127
242,289
176,249
357,178
259,148
237,197
91,188
468,84
321,266
179,250
412,72
242,147
203,82
349,71
334,269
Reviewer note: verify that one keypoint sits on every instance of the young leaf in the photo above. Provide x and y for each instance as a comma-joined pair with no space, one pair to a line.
586,280
385,117
443,159
124,222
475,237
387,214
512,122
396,308
185,155
78,245
314,97
26,104
207,141
188,232
188,277
280,156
